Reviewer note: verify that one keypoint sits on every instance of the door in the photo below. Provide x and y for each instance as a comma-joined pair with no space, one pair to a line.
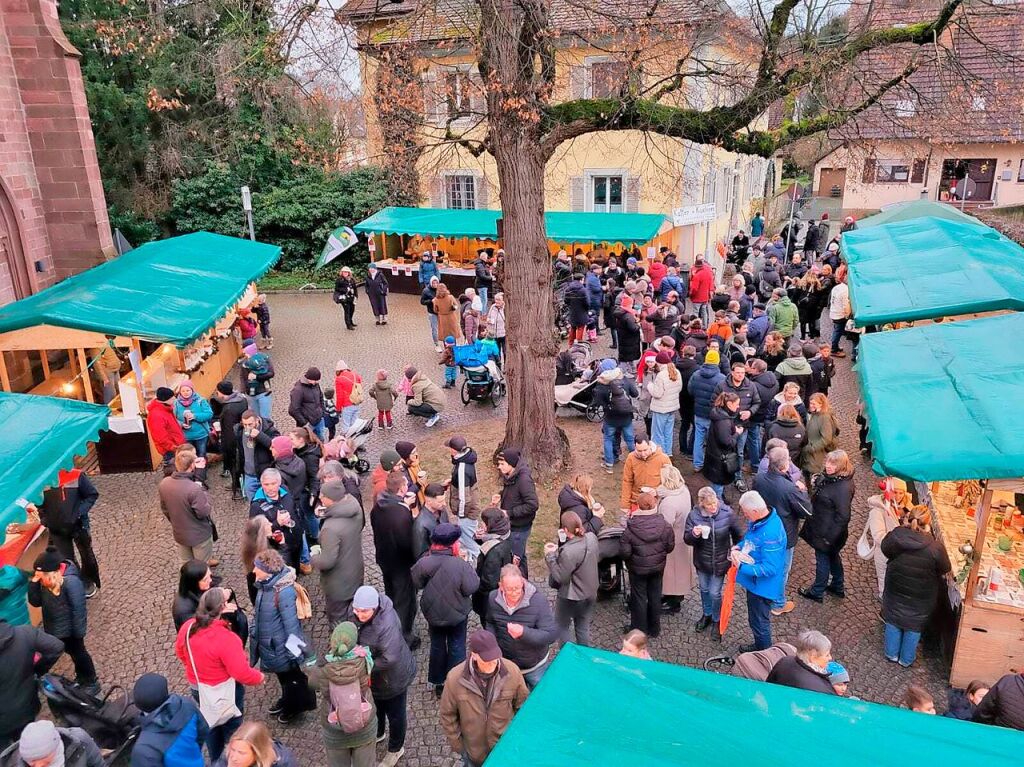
14,279
981,173
832,183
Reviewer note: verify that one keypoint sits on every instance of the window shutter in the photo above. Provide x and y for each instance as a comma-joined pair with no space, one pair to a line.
869,171
577,82
577,200
632,201
917,171
483,191
437,196
477,97
434,107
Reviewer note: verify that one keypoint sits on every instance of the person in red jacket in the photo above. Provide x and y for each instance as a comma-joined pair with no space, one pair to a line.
345,380
702,287
211,653
163,426
657,270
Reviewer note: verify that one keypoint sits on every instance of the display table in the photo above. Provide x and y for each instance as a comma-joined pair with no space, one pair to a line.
405,278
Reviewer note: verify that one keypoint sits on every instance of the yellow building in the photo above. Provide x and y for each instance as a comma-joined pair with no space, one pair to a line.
705,193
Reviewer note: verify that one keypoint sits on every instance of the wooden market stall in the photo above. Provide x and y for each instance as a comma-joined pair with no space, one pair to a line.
115,333
945,404
398,236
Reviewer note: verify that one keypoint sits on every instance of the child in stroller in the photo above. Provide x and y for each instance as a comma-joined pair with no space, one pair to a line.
483,377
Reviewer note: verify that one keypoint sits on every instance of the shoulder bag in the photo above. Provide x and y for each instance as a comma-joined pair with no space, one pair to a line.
216,701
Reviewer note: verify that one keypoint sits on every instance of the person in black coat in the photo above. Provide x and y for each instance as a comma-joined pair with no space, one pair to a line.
65,513
576,498
253,437
964,703
228,407
519,500
789,427
448,583
628,330
391,520
578,303
345,294
827,529
687,365
613,394
916,564
520,617
806,670
194,579
712,529
376,287
494,536
28,652
645,545
721,459
277,504
1003,706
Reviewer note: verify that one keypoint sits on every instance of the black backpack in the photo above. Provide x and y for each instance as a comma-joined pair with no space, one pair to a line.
620,403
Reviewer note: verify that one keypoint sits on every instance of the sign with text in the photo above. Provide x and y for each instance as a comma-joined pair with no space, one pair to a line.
693,214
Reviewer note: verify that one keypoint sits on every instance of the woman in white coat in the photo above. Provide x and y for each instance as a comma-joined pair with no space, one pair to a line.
664,383
883,517
674,505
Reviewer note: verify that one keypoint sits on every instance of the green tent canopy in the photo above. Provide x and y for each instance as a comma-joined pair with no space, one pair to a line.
170,291
598,709
904,211
931,267
564,227
946,401
43,435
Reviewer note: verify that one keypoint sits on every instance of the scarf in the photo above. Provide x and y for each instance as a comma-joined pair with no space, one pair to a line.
187,402
359,651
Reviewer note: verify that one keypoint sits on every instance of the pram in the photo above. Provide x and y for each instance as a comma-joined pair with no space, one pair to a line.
611,569
345,448
483,379
579,395
112,721
756,665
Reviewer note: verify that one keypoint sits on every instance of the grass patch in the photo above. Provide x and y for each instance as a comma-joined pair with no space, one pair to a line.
293,280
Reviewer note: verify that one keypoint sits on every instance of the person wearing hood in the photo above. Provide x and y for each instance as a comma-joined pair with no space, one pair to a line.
807,670
916,564
769,279
518,497
162,425
194,416
28,653
427,401
447,583
43,744
645,545
795,368
275,630
641,472
711,529
394,666
56,588
767,386
253,746
345,293
577,497
674,505
828,526
481,696
376,287
520,618
462,495
627,329
428,269
672,284
612,393
187,507
703,387
432,512
783,314
572,569
339,557
884,514
228,407
172,731
306,403
392,523
349,726
963,703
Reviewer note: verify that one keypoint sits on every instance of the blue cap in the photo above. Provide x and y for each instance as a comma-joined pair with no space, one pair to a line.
450,340
606,365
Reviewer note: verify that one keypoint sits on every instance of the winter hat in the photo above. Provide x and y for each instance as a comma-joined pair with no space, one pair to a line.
366,598
38,740
837,673
631,261
281,446
344,637
251,350
496,521
483,643
450,340
405,449
410,372
388,459
434,490
606,365
341,365
371,267
164,394
226,387
663,358
150,692
187,384
49,561
457,443
333,490
445,534
712,357
313,374
511,456
626,301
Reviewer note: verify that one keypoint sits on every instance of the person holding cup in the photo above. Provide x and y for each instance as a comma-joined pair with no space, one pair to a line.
194,416
712,529
572,568
274,502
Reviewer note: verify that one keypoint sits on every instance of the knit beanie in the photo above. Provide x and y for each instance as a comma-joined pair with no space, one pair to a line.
510,456
281,446
333,490
410,372
388,459
366,598
712,357
626,301
164,394
663,358
837,673
313,374
445,534
606,365
226,387
405,449
49,561
457,443
450,340
38,740
344,637
187,384
150,692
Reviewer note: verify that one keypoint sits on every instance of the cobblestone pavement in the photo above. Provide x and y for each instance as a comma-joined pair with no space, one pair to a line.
131,631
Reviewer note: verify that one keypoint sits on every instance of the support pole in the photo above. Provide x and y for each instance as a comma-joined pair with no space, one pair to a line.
83,363
4,377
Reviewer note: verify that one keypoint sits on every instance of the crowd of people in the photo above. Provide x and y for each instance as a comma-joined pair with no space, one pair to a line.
738,368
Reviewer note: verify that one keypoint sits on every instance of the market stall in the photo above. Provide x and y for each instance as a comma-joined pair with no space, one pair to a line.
929,267
599,709
945,404
905,211
115,333
397,236
42,436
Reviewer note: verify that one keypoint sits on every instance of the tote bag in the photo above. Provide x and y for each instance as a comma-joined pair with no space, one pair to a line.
216,701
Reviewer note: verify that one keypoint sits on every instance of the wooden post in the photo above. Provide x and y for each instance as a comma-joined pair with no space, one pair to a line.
46,363
4,378
83,363
981,516
72,362
140,386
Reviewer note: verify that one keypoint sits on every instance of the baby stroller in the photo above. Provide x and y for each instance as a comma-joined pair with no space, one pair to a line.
112,721
483,380
579,395
756,665
611,569
345,448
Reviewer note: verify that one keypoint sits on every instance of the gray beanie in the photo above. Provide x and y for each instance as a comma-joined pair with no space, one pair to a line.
38,740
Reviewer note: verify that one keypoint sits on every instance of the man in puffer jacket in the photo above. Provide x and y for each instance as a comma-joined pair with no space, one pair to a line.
43,743
703,387
173,731
519,500
711,552
1004,704
65,513
28,652
306,404
520,618
645,545
448,582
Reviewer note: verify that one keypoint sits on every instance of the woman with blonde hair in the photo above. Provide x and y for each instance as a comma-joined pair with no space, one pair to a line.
790,429
252,746
674,505
828,527
916,563
822,431
774,350
664,386
577,496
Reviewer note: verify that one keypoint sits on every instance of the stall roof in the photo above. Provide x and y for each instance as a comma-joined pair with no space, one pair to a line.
632,711
931,267
904,211
483,224
42,436
170,291
946,401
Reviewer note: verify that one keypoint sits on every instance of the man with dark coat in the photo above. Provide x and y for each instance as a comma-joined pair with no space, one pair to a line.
253,437
767,387
28,652
43,743
228,407
702,386
750,403
291,466
65,513
306,404
687,365
520,618
172,729
345,294
806,670
427,299
578,304
376,287
391,520
274,502
462,497
483,279
1003,706
339,558
432,512
519,500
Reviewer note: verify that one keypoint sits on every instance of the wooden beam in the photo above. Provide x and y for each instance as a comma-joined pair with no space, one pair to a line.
72,362
981,517
46,363
4,378
140,386
86,380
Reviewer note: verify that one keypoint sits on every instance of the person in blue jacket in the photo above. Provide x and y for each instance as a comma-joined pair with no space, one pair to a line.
172,729
760,559
194,414
428,269
595,294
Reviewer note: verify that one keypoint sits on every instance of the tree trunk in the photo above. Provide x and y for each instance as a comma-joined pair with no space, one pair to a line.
398,98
